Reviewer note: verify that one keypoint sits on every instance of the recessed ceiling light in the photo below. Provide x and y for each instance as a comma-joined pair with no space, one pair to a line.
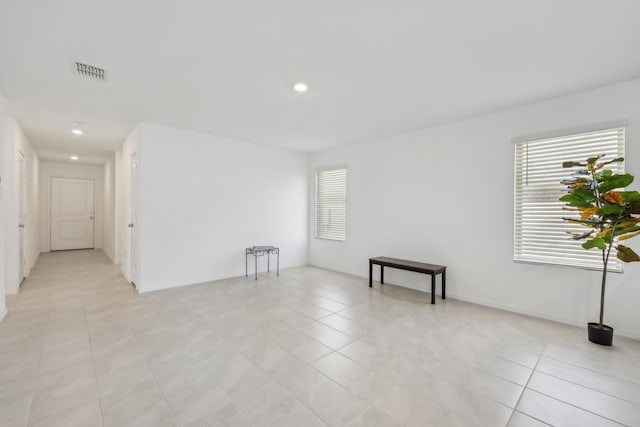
300,87
74,157
77,131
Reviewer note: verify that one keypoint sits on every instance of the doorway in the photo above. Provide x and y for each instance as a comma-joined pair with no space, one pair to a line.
72,213
22,217
133,210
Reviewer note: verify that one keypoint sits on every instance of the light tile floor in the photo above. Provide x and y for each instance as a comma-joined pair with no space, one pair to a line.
309,348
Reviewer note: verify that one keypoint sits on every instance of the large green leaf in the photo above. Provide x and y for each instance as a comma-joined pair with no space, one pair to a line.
585,194
625,230
629,196
573,199
594,159
627,254
616,160
610,209
615,181
572,164
598,242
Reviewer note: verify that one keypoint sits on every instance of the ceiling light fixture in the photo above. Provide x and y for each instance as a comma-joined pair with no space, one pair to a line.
74,157
300,87
77,131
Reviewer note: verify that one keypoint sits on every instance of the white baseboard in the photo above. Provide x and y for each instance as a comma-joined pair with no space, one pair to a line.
198,281
514,309
537,314
35,260
31,265
510,308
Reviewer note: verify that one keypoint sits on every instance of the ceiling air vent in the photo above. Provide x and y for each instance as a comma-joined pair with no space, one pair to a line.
90,71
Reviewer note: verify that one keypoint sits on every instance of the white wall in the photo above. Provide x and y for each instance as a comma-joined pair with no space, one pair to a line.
204,199
3,185
17,142
109,208
50,169
445,195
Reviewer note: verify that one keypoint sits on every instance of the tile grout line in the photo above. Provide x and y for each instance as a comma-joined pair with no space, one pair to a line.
164,397
319,342
241,352
38,374
310,366
577,407
592,370
570,364
340,385
589,388
534,370
336,329
524,389
93,365
491,373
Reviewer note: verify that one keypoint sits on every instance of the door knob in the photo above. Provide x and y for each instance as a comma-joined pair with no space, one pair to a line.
130,225
20,225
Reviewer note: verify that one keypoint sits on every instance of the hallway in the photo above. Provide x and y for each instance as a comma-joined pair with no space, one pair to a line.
309,348
67,279
46,368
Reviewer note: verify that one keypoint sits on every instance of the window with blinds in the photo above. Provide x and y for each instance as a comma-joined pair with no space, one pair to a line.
331,204
540,234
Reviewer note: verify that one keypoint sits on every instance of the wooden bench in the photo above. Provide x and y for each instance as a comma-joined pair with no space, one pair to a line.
418,267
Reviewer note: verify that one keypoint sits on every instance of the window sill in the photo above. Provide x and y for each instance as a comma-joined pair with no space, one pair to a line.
331,239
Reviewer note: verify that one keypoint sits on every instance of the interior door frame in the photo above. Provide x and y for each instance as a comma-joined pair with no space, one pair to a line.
22,214
93,227
133,220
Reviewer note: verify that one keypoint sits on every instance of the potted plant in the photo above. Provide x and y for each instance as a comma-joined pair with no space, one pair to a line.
609,215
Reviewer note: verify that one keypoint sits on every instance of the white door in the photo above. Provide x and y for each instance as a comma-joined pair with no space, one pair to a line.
133,215
21,215
72,213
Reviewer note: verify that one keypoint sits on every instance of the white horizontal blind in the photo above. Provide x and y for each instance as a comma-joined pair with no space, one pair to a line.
540,234
331,204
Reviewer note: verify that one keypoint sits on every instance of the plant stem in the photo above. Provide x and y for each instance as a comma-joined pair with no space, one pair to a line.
605,253
605,261
602,285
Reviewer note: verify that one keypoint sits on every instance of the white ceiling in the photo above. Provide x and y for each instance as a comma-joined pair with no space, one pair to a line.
374,67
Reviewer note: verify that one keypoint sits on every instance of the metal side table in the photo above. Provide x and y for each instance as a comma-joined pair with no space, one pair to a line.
257,251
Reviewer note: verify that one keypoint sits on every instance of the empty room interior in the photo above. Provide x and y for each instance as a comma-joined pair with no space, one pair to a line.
288,213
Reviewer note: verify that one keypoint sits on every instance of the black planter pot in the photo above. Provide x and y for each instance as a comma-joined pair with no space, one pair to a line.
602,336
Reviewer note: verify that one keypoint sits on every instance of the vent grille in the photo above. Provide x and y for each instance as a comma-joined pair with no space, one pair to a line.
90,71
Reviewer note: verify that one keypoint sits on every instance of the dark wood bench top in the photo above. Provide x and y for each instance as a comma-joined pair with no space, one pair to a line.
408,265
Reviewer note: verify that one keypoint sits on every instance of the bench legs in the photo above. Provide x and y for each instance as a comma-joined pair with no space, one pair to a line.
433,281
444,283
433,289
371,274
444,286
